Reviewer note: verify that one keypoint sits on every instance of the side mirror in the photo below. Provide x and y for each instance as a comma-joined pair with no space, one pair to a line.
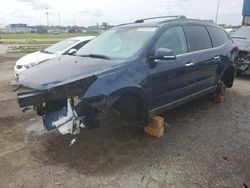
72,51
163,54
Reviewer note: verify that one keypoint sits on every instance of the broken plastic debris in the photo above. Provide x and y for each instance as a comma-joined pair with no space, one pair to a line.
82,125
73,141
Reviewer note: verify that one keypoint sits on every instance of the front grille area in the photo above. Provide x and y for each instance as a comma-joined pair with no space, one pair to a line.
19,66
62,92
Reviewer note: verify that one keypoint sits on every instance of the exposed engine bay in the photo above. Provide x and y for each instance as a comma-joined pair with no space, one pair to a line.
243,62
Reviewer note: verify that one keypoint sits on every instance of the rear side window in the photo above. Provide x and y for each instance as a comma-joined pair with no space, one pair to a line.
198,38
218,36
174,39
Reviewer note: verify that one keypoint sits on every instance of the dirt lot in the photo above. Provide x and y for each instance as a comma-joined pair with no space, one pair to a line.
205,145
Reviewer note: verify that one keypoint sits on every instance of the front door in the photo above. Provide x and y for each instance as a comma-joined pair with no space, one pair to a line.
172,79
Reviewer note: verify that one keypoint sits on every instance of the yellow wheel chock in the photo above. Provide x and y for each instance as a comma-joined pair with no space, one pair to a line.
155,127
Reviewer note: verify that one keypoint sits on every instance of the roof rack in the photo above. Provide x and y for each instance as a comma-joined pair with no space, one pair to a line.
160,17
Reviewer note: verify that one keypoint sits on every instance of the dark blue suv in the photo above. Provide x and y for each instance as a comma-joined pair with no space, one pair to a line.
138,70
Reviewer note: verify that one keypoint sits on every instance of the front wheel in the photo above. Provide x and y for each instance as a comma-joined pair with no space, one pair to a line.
131,107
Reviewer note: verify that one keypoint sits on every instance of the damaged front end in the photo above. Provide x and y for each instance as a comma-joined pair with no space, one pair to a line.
60,106
243,62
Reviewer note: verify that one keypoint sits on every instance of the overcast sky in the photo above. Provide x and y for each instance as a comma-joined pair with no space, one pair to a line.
89,12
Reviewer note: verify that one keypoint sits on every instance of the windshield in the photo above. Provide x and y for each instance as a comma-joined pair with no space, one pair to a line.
60,46
118,42
242,33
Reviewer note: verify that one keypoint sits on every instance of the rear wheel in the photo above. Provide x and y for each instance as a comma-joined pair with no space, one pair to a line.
220,92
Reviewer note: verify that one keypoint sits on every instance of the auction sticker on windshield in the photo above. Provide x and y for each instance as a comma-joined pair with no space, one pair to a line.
146,29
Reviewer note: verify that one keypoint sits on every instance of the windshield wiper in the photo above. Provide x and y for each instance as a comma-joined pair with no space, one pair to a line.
96,56
239,38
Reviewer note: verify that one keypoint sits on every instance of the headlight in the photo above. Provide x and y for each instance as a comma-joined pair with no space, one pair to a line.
34,64
31,65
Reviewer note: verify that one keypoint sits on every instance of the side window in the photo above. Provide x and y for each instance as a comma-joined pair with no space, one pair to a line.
218,36
174,39
198,38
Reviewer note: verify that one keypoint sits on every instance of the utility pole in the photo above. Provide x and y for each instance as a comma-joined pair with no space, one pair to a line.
217,12
47,15
2,23
59,19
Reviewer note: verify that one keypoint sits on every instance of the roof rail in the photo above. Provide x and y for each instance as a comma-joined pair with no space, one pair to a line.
160,17
208,21
123,24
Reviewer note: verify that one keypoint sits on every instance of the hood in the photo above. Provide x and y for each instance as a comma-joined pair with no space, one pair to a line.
35,57
63,70
244,45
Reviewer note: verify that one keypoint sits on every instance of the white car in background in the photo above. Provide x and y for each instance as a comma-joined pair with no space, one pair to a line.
230,30
67,46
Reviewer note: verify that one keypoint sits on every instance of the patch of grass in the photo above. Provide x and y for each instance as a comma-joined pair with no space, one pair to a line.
33,38
26,49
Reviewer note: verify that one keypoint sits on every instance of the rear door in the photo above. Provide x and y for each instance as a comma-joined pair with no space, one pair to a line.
172,79
222,46
206,58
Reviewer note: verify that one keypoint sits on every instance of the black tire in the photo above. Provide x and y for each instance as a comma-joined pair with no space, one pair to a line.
127,108
130,107
219,96
221,88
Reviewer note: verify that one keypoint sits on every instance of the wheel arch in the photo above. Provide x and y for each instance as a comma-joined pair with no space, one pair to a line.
132,96
135,91
228,75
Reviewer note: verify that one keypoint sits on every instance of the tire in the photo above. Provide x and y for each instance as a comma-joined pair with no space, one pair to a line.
220,92
221,88
127,108
130,107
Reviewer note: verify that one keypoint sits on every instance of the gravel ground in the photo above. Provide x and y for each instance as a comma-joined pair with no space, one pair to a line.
205,145
4,48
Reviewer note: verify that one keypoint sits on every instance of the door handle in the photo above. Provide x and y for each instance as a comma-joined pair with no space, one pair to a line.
217,57
189,64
